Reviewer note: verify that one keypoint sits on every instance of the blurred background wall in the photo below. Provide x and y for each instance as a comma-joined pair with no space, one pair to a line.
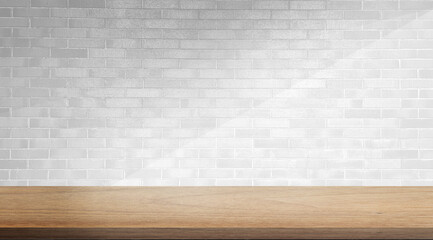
216,92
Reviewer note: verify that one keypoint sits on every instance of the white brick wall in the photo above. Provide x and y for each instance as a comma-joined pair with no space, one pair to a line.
216,92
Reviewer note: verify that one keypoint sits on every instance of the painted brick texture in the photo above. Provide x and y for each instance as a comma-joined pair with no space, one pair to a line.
216,92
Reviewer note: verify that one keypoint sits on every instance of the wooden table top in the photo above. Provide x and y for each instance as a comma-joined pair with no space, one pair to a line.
216,212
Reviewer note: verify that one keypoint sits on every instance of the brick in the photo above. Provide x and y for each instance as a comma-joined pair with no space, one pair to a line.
85,123
161,4
70,12
67,174
228,163
29,174
49,22
49,3
362,35
30,12
382,5
362,15
417,123
4,174
30,92
417,164
400,154
307,5
416,5
86,143
86,3
344,5
31,52
48,43
69,53
123,43
50,164
180,14
5,12
102,53
143,173
67,153
198,123
29,133
243,4
14,3
144,133
123,4
86,23
123,102
13,164
68,133
362,113
216,173
105,174
270,4
13,123
105,133
197,4
14,143
30,72
270,143
288,14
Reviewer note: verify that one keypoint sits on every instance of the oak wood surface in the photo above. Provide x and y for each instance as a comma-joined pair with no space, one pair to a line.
216,212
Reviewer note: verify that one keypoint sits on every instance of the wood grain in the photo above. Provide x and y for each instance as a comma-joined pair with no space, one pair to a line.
216,212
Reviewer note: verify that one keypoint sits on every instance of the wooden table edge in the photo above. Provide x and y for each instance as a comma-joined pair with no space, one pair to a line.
216,233
216,213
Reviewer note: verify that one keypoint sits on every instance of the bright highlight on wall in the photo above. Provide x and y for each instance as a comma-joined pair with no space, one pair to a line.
216,92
